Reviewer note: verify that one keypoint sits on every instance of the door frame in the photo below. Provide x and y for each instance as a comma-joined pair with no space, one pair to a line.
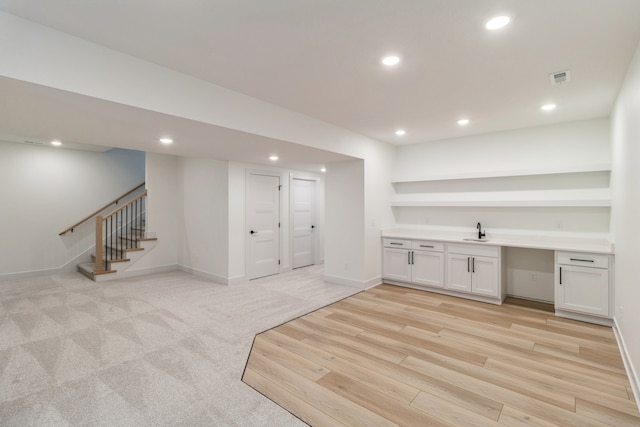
318,258
247,241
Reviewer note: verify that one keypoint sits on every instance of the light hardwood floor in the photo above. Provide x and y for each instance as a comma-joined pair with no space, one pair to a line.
397,356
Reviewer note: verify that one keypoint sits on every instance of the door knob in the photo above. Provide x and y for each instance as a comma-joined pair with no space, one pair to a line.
253,232
313,226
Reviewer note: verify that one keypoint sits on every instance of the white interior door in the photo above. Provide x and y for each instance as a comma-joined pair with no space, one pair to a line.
303,199
263,225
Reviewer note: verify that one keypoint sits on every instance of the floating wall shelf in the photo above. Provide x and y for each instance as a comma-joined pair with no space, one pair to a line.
505,174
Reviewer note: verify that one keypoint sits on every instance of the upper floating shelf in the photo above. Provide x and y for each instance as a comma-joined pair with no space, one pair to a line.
505,174
596,197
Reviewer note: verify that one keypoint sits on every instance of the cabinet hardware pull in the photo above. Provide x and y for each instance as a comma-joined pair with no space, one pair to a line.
561,275
412,254
473,265
409,257
468,268
394,243
581,260
426,246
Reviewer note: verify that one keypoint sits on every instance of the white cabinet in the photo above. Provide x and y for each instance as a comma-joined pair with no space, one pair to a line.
427,268
475,270
582,285
396,265
459,272
468,270
413,261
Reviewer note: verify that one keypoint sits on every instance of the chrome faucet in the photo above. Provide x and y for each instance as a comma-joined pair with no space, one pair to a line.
481,234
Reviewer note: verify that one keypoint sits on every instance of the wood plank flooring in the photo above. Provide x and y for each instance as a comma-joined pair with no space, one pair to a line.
394,356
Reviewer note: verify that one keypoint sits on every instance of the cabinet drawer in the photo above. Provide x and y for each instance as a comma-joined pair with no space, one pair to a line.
478,250
396,243
583,259
426,245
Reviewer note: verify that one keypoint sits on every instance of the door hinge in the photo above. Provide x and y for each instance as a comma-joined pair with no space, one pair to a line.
278,225
278,262
279,187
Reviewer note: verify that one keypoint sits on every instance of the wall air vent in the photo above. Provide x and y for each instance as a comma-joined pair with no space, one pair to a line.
560,77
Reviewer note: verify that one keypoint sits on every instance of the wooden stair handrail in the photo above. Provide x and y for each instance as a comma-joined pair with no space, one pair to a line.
105,216
100,210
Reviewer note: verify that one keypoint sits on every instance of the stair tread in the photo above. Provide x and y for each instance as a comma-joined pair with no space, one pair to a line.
88,269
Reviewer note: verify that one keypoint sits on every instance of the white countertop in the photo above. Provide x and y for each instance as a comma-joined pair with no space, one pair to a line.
555,243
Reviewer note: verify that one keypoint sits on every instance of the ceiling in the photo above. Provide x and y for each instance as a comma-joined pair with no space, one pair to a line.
322,57
87,123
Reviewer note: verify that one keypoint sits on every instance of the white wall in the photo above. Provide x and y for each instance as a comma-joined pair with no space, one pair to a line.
205,217
344,217
625,183
378,168
164,202
563,147
237,227
44,190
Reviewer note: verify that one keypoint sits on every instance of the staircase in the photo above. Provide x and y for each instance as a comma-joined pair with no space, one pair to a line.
121,239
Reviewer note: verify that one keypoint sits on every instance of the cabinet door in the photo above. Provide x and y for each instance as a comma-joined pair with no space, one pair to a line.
458,272
395,265
428,268
583,290
485,279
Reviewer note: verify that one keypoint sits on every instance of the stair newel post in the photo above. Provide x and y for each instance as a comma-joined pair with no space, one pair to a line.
99,265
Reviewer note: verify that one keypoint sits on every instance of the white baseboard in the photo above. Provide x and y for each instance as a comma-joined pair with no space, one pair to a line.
28,274
205,275
353,283
68,267
375,281
628,364
146,271
238,280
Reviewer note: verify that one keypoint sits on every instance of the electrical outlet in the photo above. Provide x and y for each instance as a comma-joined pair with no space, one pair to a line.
534,277
559,225
346,266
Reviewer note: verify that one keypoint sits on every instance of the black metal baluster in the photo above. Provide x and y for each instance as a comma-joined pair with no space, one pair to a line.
106,245
118,221
135,221
128,226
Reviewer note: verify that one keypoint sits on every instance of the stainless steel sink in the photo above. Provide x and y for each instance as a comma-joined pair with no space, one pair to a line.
469,239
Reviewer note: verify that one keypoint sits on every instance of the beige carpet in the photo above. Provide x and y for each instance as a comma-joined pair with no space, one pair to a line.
158,350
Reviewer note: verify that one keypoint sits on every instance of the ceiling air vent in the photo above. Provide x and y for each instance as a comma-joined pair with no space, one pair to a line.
560,77
32,143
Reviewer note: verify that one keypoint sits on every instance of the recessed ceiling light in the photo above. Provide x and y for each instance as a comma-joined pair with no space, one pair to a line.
273,158
548,107
463,122
391,60
497,22
323,170
401,132
166,140
56,143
